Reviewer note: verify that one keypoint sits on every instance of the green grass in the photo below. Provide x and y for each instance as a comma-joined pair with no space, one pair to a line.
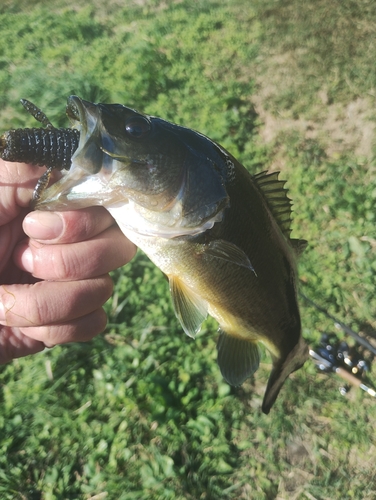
324,48
142,412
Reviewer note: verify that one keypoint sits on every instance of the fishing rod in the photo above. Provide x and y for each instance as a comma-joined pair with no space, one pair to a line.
360,340
337,356
327,360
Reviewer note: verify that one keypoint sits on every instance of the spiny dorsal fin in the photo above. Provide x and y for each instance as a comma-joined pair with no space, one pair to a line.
237,358
276,197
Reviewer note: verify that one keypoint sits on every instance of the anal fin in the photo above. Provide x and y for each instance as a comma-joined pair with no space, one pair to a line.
237,358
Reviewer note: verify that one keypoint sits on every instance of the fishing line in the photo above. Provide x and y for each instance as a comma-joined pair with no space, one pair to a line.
360,340
330,358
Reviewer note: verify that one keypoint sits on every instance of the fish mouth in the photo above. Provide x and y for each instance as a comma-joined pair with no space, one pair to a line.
87,182
74,109
85,116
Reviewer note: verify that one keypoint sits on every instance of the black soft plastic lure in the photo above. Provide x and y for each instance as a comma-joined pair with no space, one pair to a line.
49,146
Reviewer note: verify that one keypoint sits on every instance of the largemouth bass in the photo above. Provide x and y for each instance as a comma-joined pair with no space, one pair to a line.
220,235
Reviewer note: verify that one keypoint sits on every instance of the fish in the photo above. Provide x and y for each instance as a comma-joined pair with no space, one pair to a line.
221,235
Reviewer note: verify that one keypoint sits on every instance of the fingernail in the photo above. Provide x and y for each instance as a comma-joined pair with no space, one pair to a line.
27,260
43,225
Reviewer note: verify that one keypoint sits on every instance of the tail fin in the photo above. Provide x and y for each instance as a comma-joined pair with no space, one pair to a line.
281,370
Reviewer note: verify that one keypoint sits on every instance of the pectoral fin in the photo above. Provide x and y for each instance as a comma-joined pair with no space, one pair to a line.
190,309
238,359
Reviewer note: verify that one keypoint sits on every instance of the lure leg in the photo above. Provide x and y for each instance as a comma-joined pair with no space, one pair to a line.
41,185
36,113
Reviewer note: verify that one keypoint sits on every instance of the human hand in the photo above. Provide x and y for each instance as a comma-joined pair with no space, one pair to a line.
53,268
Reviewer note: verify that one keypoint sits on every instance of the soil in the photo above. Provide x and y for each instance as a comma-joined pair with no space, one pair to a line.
340,127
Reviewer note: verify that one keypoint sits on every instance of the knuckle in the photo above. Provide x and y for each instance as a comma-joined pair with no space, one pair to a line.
24,306
35,309
65,263
51,262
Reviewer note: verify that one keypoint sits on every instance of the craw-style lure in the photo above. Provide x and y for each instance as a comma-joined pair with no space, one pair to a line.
49,146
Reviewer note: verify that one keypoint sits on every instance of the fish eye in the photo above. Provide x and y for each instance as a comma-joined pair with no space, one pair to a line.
138,128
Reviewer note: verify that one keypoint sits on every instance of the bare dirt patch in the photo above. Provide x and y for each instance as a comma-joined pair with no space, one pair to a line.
345,128
340,127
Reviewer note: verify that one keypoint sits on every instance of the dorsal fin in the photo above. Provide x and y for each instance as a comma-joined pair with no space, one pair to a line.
276,197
